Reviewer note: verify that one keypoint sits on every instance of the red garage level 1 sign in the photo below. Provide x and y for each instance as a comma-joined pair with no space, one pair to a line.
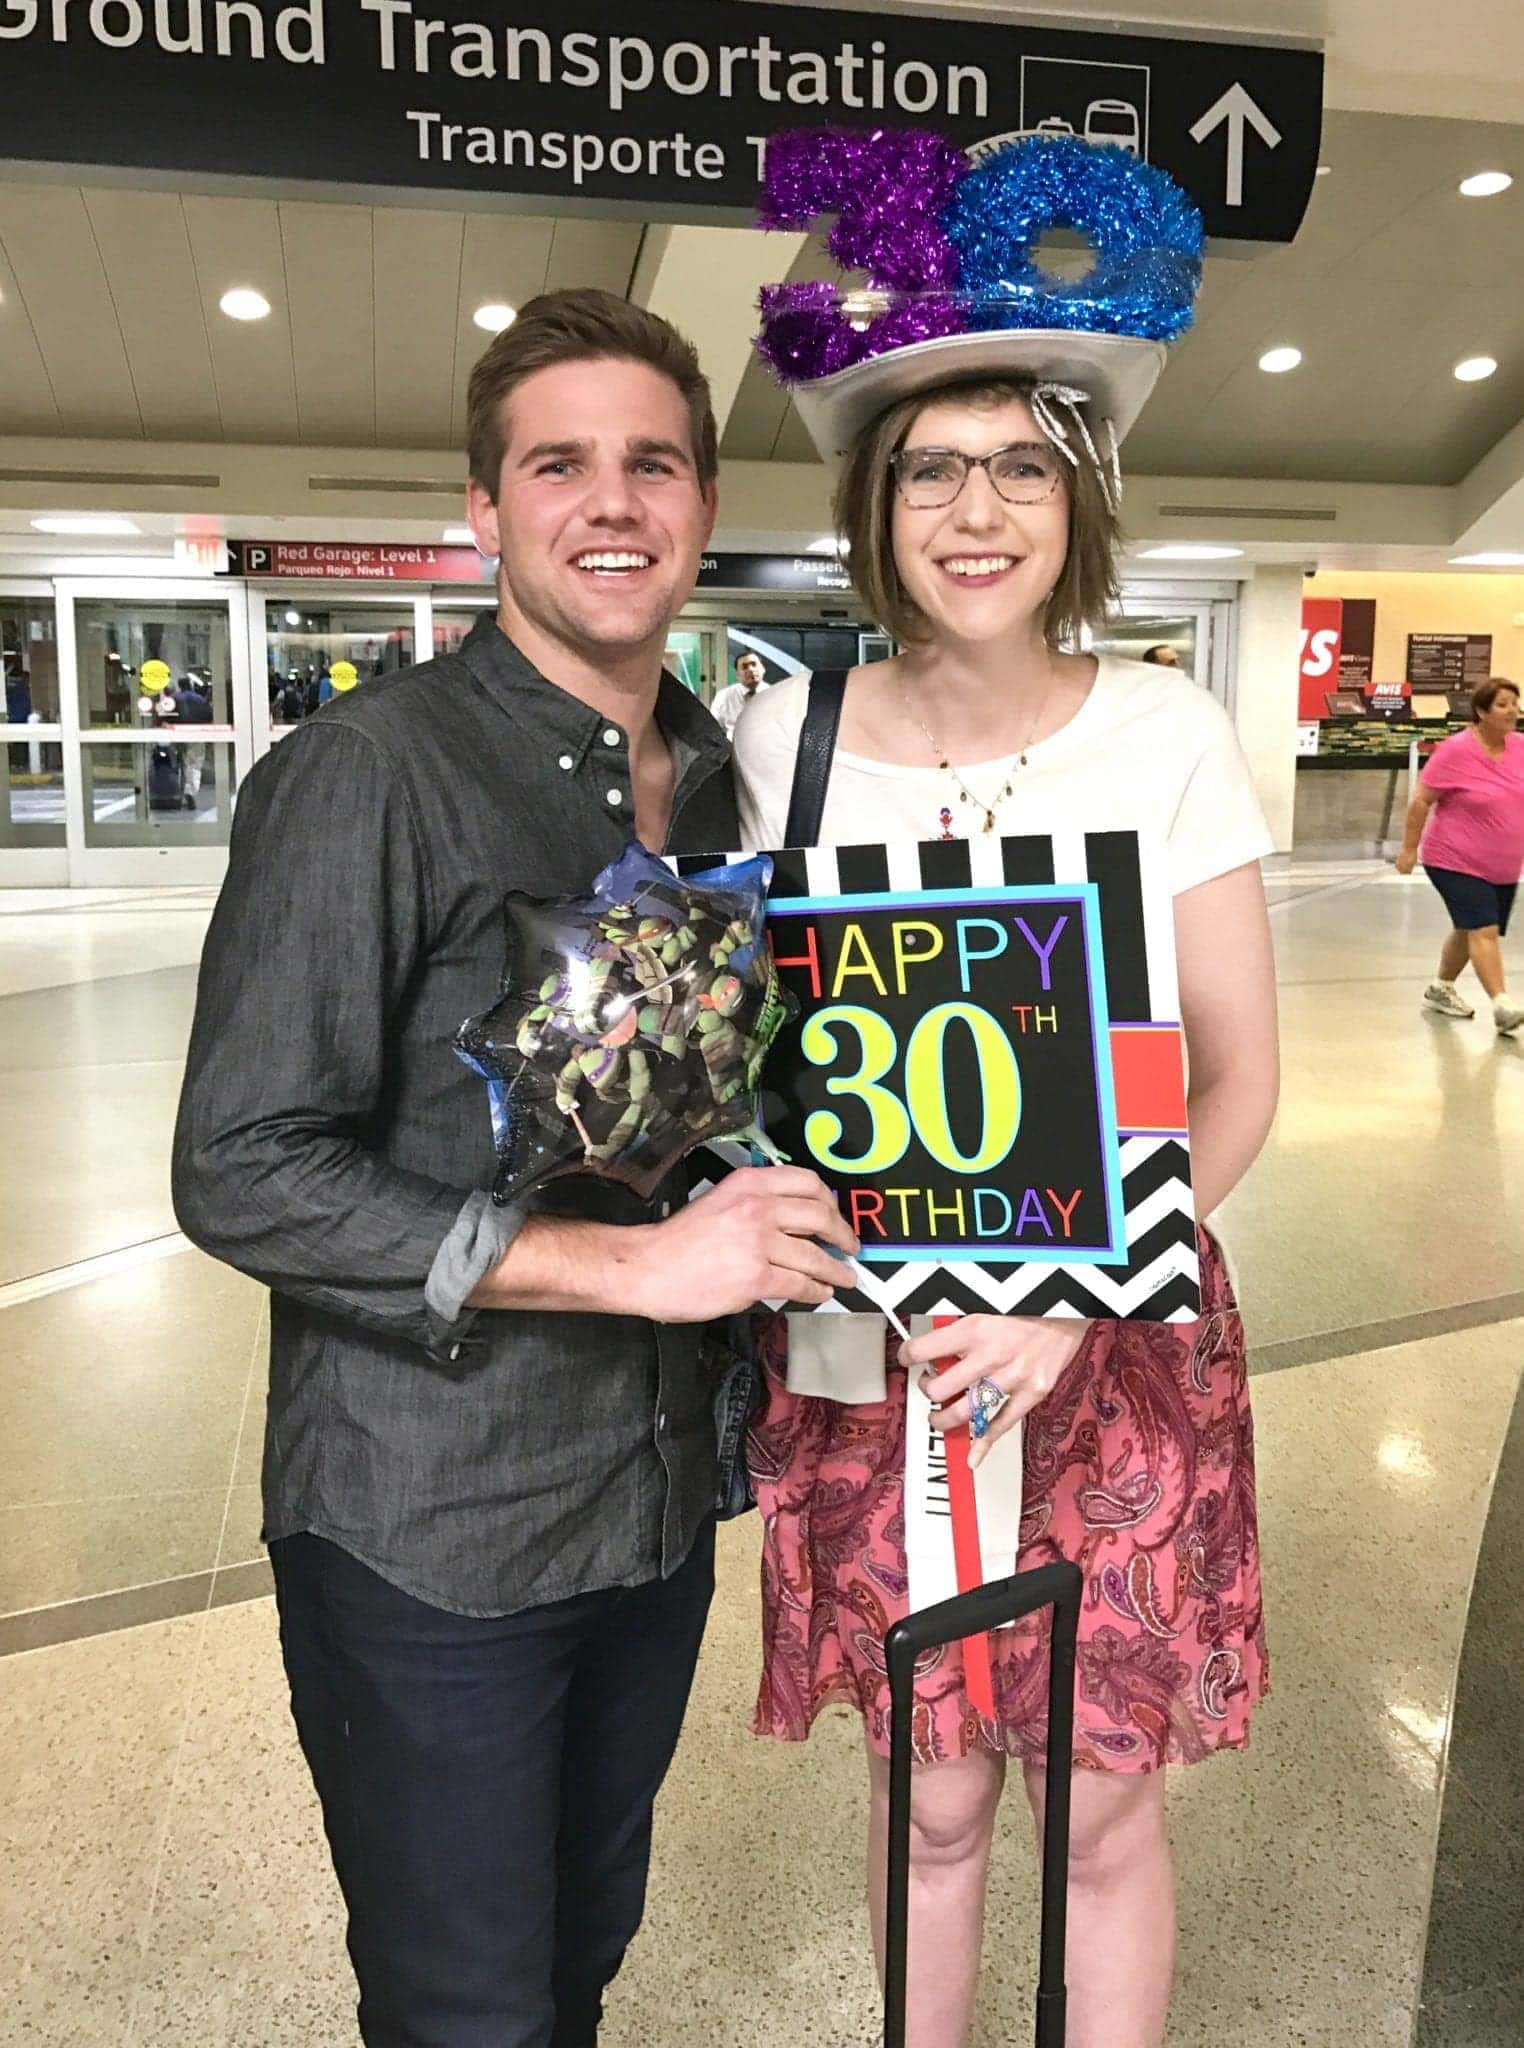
357,561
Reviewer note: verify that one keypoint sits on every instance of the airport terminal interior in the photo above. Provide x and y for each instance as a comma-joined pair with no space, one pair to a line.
231,488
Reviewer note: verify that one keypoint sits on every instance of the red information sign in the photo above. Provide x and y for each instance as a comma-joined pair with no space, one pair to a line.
342,561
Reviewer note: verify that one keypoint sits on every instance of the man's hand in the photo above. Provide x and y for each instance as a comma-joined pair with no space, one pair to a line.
749,1239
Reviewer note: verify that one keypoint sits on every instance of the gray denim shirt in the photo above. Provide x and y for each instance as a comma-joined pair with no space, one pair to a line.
331,1145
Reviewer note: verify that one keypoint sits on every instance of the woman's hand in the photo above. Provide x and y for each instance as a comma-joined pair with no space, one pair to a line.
1406,861
1022,1355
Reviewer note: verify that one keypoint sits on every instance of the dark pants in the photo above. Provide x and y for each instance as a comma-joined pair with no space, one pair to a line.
487,1789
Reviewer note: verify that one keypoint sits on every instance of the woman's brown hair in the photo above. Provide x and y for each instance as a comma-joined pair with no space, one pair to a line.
864,502
1485,695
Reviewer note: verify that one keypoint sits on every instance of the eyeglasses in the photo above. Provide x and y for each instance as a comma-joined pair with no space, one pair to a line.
1025,473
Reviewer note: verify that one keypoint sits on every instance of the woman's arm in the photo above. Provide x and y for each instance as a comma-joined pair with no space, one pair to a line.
1424,800
1227,1006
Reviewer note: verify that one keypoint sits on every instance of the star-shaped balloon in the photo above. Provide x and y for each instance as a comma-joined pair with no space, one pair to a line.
632,1025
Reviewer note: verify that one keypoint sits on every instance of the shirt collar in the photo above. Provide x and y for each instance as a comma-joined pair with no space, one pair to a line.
508,675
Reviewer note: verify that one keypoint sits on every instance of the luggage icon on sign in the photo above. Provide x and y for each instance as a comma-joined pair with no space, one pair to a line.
1114,121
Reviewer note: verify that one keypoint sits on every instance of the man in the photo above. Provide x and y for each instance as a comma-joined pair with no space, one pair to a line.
195,709
751,674
1162,656
490,1468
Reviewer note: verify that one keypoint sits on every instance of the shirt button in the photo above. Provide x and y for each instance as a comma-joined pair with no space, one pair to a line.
566,760
661,1423
615,798
611,737
455,1351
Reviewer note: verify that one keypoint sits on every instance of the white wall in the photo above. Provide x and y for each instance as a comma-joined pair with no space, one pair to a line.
1269,653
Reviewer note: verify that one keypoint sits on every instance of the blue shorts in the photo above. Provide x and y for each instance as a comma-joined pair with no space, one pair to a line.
1472,903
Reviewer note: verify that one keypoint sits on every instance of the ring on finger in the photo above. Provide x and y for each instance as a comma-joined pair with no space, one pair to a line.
985,1402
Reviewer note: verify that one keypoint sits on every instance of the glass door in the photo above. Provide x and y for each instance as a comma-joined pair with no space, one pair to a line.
158,718
33,818
1188,631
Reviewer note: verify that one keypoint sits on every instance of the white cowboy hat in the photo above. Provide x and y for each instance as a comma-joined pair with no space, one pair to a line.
1119,371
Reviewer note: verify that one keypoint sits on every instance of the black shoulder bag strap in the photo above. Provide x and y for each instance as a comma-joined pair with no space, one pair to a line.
817,749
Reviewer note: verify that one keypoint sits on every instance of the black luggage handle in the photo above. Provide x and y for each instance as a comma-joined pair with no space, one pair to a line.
986,1607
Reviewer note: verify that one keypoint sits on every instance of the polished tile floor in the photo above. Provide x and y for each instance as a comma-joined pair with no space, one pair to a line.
1355,1881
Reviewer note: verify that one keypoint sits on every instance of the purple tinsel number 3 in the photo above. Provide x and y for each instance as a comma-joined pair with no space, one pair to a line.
887,190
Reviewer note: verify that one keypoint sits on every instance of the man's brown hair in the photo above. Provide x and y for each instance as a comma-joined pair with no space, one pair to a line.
864,502
1485,695
582,326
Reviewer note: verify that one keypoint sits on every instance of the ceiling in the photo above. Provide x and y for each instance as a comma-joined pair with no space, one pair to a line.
110,331
110,328
1392,280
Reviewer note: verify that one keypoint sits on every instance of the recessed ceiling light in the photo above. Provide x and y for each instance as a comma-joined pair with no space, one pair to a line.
244,303
1486,184
495,316
1496,558
96,523
1475,368
1277,360
1190,551
293,618
459,537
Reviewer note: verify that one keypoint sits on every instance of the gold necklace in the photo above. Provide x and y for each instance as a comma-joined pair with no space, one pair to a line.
944,762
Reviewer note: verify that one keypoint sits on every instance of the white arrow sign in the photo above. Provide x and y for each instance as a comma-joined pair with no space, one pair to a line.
1240,112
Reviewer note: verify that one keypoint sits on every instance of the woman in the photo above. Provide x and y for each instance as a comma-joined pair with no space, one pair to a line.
1468,810
981,522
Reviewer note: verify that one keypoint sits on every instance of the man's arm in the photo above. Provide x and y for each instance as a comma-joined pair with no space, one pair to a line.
752,1238
320,925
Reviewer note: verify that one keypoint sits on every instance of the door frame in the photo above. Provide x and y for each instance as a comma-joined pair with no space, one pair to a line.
133,867
39,867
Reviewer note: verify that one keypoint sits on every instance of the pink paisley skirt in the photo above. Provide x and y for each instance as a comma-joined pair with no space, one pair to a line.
1139,1466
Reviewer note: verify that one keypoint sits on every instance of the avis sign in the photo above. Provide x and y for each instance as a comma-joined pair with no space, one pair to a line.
1322,634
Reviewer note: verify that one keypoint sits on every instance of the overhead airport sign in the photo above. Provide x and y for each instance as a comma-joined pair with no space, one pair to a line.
336,561
773,572
657,108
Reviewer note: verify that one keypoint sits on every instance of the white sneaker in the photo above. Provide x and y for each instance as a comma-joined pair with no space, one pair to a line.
1444,997
1507,1015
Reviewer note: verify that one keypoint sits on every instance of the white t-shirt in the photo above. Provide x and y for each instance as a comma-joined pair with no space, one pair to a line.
730,702
1148,751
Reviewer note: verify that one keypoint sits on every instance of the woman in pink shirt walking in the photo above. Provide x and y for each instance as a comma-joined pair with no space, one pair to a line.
1469,812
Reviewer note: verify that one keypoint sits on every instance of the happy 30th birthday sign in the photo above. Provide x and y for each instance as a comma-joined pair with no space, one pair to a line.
987,1070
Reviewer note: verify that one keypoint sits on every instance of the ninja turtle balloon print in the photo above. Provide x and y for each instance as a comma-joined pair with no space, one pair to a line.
632,1025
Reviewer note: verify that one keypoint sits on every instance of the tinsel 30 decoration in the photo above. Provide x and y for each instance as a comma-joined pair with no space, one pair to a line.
1146,232
887,190
950,248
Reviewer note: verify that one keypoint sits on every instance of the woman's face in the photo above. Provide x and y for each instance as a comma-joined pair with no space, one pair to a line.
980,569
1501,718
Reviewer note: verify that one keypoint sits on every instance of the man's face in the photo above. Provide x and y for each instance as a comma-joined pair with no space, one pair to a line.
600,518
750,672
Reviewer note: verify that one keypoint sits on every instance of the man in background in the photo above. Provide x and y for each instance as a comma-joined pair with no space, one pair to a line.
751,674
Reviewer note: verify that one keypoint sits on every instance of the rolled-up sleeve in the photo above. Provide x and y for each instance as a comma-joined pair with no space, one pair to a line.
321,926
